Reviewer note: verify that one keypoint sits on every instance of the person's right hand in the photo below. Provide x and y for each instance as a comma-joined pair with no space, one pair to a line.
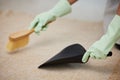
40,21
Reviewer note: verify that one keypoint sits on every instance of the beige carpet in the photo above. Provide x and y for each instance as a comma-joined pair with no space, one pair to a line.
116,72
22,64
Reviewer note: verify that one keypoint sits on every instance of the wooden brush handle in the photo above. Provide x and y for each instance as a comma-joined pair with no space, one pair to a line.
22,34
30,31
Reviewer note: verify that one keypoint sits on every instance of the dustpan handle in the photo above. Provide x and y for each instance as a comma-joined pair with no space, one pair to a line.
109,54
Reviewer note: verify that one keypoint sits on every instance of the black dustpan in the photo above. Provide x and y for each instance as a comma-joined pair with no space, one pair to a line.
70,54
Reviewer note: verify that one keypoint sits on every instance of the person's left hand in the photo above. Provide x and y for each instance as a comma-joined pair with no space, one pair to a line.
101,48
93,53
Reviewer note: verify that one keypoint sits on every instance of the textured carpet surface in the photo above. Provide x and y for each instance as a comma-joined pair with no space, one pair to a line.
116,72
23,64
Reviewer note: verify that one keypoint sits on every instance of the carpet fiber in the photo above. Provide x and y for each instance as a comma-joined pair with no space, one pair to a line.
23,64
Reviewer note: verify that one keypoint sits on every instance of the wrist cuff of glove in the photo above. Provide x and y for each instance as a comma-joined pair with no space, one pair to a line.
62,8
116,21
114,28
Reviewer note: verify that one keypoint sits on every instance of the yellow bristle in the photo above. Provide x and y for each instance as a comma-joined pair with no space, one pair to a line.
15,44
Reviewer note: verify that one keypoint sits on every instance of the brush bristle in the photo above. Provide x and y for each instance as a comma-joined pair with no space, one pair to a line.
15,44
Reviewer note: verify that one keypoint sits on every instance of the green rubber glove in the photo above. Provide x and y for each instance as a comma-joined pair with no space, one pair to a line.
101,48
40,22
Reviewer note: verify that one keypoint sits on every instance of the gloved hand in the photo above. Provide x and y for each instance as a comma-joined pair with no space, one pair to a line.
40,22
101,48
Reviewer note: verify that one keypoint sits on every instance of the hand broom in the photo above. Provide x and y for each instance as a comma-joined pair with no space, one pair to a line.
19,39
